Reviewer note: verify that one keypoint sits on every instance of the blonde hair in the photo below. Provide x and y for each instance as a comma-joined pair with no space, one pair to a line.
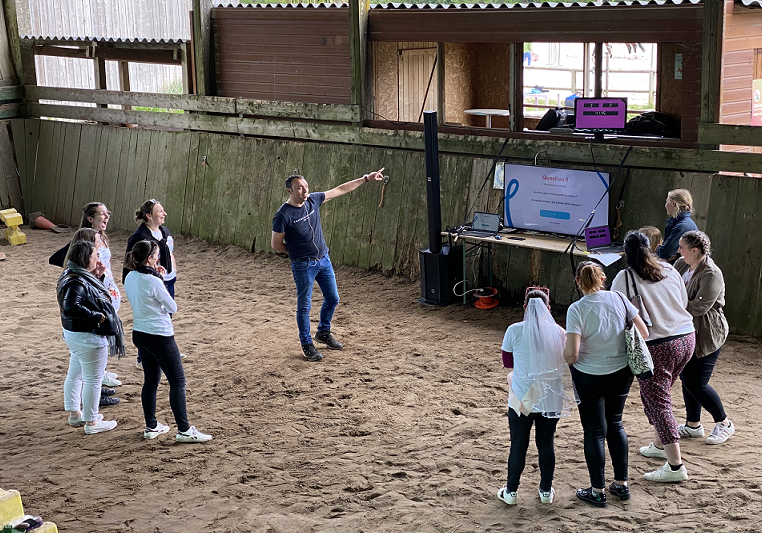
683,199
654,237
590,276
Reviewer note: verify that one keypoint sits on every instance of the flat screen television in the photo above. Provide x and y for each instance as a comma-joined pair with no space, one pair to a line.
554,200
600,115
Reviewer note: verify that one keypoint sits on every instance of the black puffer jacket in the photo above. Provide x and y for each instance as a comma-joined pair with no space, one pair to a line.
82,306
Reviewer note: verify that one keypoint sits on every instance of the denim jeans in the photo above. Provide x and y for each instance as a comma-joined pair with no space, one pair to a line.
697,392
306,273
602,400
161,354
82,386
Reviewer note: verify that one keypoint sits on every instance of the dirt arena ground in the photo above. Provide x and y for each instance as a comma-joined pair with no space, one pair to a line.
404,431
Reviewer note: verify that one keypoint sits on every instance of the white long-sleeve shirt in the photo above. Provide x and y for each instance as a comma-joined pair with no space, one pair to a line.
151,304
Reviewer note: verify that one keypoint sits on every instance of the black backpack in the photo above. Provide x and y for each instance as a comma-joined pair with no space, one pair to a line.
653,124
553,118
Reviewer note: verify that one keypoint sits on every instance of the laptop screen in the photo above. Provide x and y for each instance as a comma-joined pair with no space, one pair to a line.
595,237
486,222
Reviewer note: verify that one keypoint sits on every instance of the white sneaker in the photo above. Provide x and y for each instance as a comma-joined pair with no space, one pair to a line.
665,474
139,365
109,380
652,451
183,356
192,435
546,497
79,421
687,431
721,433
100,426
160,429
511,498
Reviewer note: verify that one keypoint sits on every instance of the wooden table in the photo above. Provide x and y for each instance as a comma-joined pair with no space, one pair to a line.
489,113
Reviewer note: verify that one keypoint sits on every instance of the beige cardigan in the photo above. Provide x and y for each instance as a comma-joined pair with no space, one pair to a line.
706,298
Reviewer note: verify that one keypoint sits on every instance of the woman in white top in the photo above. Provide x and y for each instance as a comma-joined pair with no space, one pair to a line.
595,346
153,335
671,342
533,348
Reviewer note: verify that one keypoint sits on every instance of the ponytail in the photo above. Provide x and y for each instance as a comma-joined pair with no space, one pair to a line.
590,276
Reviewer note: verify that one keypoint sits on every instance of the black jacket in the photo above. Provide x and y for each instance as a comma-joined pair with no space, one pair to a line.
82,306
144,234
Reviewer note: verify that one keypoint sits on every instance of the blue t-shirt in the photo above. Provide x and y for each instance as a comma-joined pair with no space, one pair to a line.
304,234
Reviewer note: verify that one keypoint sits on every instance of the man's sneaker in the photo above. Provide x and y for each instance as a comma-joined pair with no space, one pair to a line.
183,356
686,431
652,451
192,435
547,497
105,401
326,338
160,429
110,380
138,365
587,495
721,433
665,474
310,353
511,498
620,491
100,426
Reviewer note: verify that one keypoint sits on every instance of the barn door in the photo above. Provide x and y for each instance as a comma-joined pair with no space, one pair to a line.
415,71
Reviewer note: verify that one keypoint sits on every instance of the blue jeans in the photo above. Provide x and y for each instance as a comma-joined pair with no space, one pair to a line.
306,273
160,354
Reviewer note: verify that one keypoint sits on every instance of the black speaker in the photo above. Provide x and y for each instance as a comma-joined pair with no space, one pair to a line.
439,273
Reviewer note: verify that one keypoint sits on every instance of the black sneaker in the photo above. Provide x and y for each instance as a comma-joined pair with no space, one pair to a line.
105,401
105,391
620,491
310,353
586,495
326,338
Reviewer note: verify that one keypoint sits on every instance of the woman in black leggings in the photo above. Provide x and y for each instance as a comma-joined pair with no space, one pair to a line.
595,345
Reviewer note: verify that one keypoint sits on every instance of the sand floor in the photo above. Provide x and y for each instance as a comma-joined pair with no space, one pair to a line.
404,431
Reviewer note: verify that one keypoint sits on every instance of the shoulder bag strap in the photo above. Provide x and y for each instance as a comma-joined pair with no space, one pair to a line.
628,320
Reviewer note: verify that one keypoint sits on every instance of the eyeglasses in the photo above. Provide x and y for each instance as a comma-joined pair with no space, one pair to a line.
541,289
105,213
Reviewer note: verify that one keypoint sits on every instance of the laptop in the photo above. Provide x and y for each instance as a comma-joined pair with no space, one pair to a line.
598,240
484,225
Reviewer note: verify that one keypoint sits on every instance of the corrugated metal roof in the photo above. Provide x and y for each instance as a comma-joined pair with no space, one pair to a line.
86,40
545,5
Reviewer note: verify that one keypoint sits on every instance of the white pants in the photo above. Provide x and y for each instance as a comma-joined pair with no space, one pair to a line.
83,381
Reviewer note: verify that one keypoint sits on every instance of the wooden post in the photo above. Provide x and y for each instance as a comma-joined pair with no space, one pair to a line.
711,62
124,79
99,69
187,82
516,86
203,48
598,69
358,50
441,118
7,70
22,56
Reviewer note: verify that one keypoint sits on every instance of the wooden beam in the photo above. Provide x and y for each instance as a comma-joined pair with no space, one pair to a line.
109,53
711,62
358,51
99,64
715,134
516,86
203,47
559,152
212,104
11,28
124,79
597,92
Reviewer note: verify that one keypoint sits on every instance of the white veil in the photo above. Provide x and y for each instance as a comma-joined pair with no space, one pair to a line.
551,392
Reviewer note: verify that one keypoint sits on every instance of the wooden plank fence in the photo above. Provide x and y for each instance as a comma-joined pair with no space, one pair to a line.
226,188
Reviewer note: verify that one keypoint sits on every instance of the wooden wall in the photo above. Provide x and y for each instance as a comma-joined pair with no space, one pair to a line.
231,196
292,55
10,187
741,45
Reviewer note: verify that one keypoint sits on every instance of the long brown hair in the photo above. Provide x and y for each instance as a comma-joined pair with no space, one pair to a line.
89,211
640,259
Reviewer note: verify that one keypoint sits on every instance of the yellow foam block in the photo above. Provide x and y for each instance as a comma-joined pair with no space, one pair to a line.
10,506
47,527
6,212
13,219
14,236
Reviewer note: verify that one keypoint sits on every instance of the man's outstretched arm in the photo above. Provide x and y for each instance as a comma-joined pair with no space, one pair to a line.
352,185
